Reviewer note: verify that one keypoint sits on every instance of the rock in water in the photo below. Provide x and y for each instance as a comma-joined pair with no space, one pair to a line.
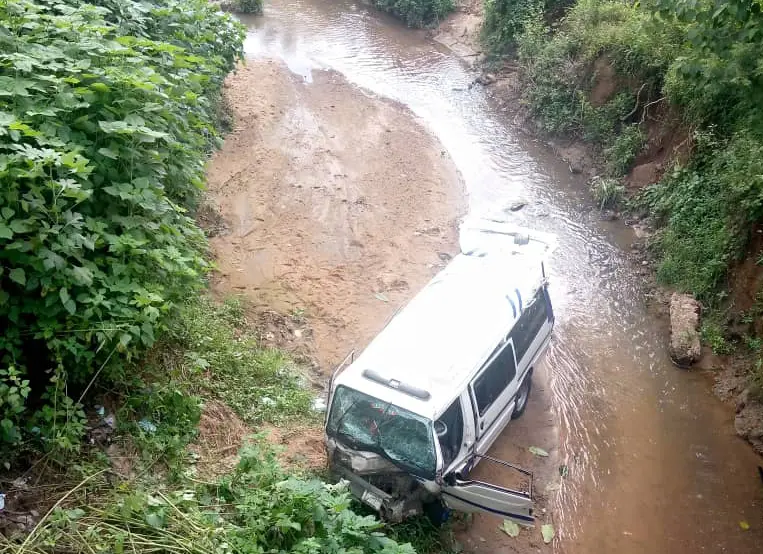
685,348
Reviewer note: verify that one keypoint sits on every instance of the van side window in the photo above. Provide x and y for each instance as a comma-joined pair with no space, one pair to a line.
494,379
529,323
450,432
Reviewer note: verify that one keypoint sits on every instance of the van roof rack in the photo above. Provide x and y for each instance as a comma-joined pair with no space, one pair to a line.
410,390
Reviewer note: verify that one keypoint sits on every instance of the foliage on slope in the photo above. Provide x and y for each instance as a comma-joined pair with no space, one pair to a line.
107,111
417,13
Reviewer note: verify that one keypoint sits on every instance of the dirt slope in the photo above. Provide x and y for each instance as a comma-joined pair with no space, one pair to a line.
338,204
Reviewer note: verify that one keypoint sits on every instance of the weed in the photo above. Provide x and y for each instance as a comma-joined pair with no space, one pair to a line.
424,536
712,334
625,147
248,6
607,192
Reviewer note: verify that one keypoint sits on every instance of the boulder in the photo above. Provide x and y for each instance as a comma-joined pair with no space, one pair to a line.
749,424
685,348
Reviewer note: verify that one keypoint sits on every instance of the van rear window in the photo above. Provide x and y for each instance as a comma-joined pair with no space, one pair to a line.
363,422
528,325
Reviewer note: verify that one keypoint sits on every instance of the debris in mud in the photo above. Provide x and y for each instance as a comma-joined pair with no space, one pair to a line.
538,451
211,221
548,533
518,205
486,79
510,528
685,347
381,296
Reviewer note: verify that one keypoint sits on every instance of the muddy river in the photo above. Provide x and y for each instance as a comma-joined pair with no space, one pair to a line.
652,462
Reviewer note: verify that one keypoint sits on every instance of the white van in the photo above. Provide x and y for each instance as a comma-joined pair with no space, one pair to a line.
412,416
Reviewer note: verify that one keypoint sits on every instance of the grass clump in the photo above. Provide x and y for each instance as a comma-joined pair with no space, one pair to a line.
221,358
417,13
608,193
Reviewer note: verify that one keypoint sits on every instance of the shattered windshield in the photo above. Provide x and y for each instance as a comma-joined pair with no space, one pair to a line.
367,423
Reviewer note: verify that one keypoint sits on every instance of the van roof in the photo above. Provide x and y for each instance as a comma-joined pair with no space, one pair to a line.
441,338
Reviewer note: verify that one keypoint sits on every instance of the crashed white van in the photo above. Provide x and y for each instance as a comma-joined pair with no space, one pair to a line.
411,416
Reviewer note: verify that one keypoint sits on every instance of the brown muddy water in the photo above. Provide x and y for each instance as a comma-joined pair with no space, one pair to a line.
653,462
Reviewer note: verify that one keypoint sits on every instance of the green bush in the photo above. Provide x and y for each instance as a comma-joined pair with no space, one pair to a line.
248,6
624,149
560,72
707,210
107,111
416,13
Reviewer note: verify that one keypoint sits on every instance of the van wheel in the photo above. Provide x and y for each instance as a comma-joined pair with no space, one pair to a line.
436,512
523,395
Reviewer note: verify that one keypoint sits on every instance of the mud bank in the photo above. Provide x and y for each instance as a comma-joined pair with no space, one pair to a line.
339,205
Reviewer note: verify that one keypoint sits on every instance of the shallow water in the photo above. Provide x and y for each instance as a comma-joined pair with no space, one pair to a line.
654,465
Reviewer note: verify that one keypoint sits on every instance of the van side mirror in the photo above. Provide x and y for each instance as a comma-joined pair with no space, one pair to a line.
450,479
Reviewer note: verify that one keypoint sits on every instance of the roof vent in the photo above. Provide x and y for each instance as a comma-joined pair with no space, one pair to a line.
410,390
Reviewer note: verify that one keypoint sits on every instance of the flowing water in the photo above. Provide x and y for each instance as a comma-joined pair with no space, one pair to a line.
654,465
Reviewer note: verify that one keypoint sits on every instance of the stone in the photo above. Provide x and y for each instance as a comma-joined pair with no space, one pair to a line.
749,424
685,347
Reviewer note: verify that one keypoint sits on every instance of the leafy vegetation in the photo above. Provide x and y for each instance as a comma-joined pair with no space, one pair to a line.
258,508
417,13
612,73
594,76
608,70
107,111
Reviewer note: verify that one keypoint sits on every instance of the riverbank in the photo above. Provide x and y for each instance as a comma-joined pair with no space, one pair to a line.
729,329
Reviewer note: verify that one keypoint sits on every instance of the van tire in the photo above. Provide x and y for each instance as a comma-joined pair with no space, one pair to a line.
523,396
437,513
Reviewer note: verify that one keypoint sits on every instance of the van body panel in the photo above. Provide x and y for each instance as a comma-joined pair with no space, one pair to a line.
475,496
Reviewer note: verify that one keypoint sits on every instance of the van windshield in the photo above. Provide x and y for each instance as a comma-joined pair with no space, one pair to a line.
367,423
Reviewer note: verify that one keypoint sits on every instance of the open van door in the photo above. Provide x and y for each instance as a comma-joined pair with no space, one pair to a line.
466,495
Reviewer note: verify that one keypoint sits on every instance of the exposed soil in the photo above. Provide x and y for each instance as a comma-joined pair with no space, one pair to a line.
460,31
340,206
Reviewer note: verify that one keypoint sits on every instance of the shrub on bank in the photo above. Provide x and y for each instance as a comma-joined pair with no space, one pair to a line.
417,13
107,112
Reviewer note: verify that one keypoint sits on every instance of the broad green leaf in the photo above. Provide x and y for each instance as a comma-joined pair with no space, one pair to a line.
17,275
5,231
510,528
538,451
154,520
82,275
548,533
20,226
63,294
108,153
6,119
